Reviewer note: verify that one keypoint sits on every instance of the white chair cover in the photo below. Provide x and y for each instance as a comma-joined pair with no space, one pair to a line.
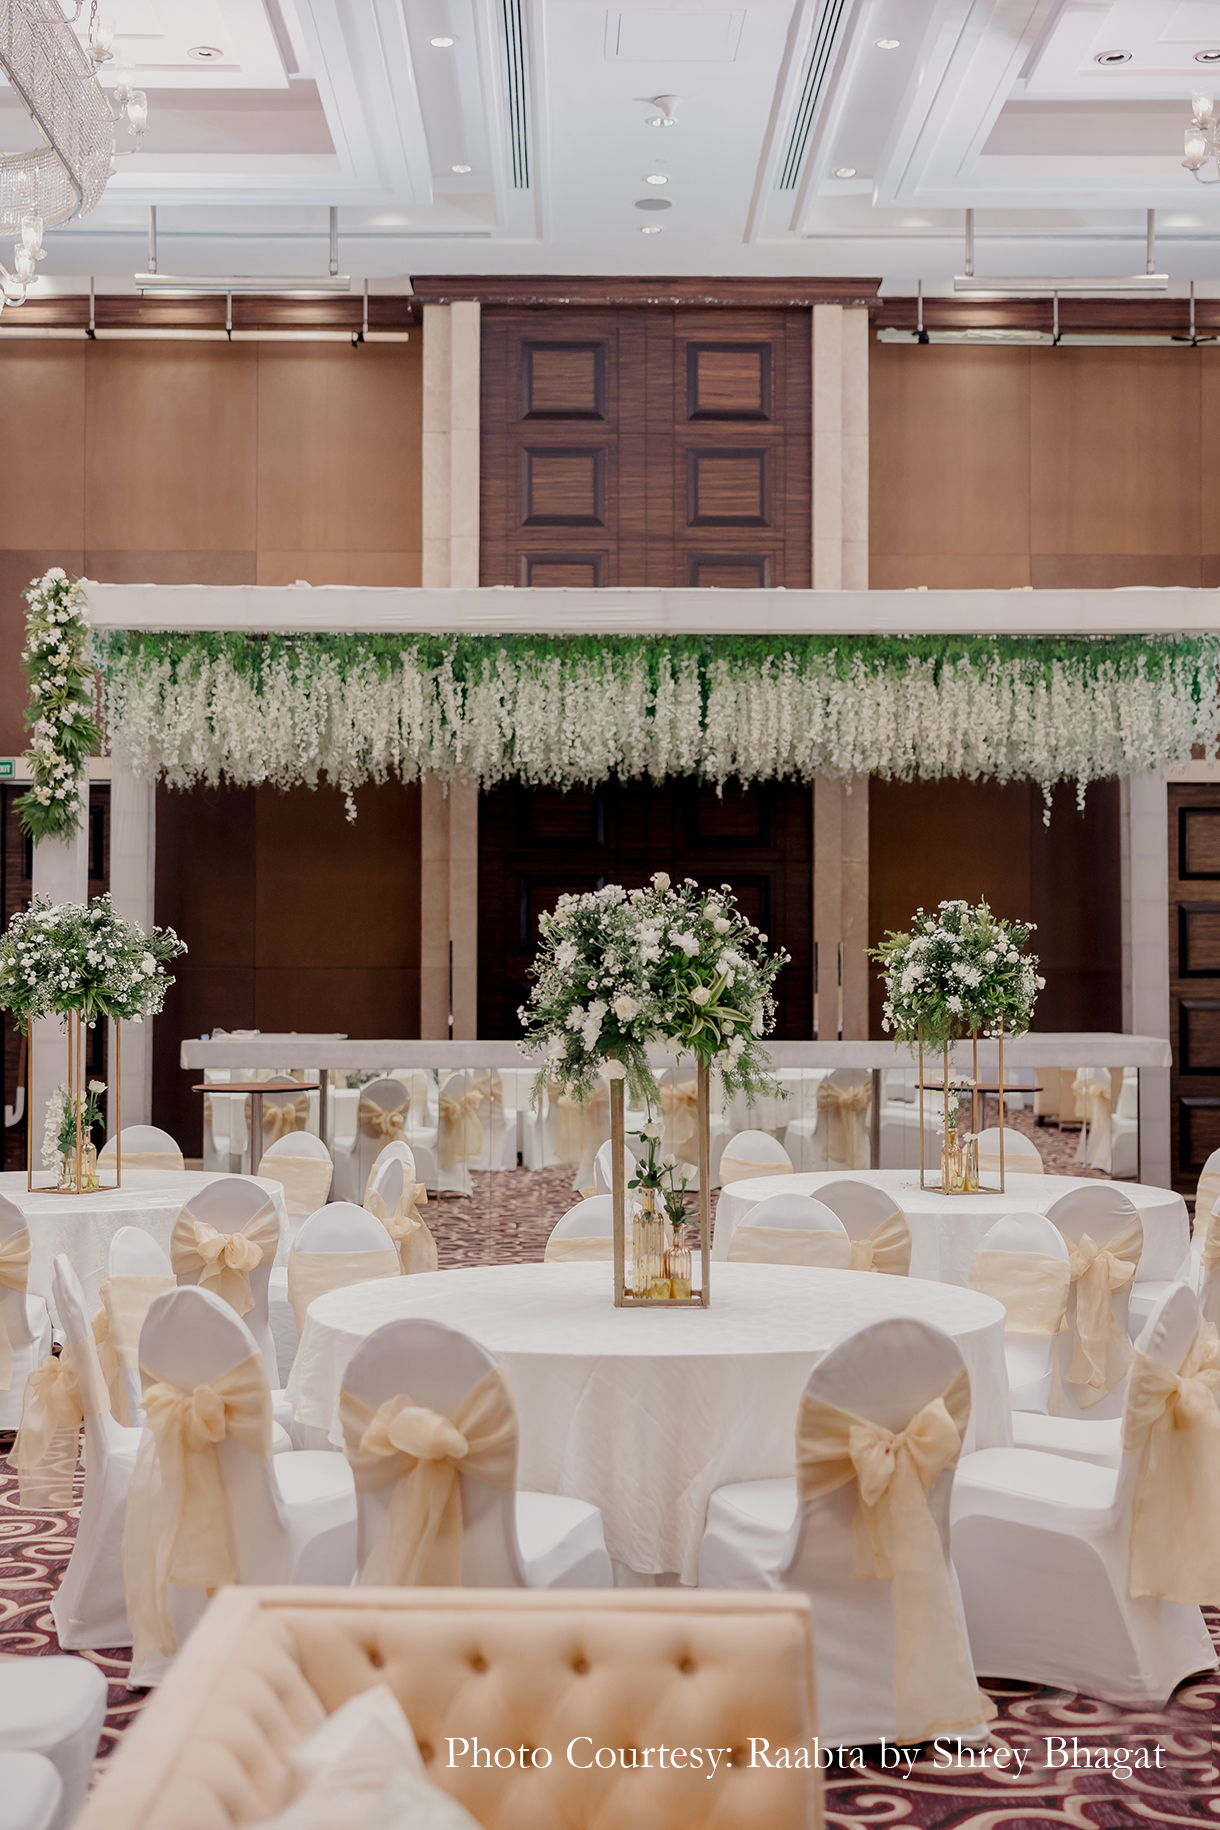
1091,1091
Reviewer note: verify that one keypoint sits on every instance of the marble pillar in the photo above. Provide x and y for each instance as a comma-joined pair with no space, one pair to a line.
1145,950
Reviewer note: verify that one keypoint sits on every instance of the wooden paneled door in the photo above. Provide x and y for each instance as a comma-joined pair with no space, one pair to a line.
662,447
536,844
1194,978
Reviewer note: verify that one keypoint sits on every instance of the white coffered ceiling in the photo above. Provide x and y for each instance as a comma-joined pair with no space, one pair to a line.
524,146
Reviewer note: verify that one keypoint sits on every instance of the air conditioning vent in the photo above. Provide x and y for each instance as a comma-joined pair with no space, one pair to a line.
816,71
518,116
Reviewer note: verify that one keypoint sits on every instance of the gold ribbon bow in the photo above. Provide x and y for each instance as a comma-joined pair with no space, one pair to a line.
281,1117
413,1240
460,1136
1171,1418
1032,1286
789,1245
1093,1109
177,1525
581,1126
895,1539
422,1454
224,1261
489,1087
843,1108
1101,1352
14,1275
887,1248
679,1107
376,1121
59,1394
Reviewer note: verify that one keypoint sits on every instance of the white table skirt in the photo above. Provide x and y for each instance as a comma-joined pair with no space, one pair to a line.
82,1226
646,1414
946,1230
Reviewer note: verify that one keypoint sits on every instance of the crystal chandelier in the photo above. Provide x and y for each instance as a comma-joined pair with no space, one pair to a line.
1202,145
55,78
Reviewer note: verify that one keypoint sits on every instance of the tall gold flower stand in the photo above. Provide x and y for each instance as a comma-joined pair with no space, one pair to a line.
963,1185
80,1181
624,1296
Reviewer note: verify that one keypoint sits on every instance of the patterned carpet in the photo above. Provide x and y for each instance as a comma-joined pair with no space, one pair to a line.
508,1218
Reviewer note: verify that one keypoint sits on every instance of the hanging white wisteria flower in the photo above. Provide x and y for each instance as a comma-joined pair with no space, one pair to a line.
59,666
561,711
958,972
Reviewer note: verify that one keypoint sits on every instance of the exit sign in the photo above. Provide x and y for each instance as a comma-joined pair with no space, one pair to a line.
8,768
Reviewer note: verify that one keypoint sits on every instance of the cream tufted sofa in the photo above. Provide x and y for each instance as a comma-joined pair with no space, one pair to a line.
514,1668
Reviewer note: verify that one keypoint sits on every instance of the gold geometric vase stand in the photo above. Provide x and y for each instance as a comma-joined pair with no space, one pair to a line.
625,1298
938,1185
76,1086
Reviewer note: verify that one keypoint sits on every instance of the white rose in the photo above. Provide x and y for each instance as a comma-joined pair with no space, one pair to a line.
616,1070
661,880
1040,983
654,1130
721,925
97,1086
625,1008
669,1162
700,995
148,965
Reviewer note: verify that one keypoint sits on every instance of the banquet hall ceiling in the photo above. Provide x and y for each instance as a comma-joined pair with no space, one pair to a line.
521,142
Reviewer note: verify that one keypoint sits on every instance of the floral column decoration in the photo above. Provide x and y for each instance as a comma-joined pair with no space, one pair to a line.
59,666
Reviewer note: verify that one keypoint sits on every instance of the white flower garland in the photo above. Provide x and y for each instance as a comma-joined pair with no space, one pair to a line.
60,669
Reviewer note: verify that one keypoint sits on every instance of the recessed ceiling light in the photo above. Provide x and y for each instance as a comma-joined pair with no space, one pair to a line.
442,44
651,228
653,203
661,120
459,168
1112,57
656,178
845,171
205,53
1207,57
887,44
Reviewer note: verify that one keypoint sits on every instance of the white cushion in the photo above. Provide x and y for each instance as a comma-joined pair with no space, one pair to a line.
561,1542
1033,1482
30,1792
1097,1441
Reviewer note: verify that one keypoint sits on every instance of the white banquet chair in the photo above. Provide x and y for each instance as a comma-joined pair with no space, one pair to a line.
1104,1236
339,1245
420,1158
1021,1156
753,1153
603,1165
879,1231
301,1164
51,1712
137,1270
24,1321
459,1137
32,1792
381,1116
884,1378
584,1233
1044,1553
791,1228
508,1538
89,1606
498,1123
836,1135
289,1518
144,1147
1022,1261
393,1197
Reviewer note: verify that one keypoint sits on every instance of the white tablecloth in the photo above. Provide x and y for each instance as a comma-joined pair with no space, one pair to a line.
946,1230
82,1226
646,1414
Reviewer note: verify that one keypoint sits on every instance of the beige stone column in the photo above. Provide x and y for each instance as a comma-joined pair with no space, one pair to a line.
840,563
449,821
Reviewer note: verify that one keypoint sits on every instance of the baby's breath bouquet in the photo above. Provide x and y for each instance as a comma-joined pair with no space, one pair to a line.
592,1006
83,957
959,971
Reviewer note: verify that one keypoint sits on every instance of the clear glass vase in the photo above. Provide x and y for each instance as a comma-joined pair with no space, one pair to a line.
677,1265
648,1251
952,1169
970,1165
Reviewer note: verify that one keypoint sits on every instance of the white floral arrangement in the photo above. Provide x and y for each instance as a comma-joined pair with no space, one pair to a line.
83,957
958,972
59,666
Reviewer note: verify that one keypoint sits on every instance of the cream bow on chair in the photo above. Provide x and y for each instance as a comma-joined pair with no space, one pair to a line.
895,1538
887,1248
282,1116
422,1454
224,1261
59,1394
741,1169
1093,1109
1172,1418
1101,1351
788,1245
313,1274
14,1275
1032,1286
126,1298
843,1109
592,1248
680,1109
177,1526
412,1238
379,1121
460,1133
581,1126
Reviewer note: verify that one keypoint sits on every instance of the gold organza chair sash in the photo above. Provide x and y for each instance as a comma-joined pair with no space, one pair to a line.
1172,1420
895,1539
59,1394
1016,1162
413,1240
1092,1107
679,1108
1101,1351
460,1131
305,1180
379,1121
177,1527
592,1248
843,1110
1032,1286
126,1298
281,1116
312,1274
1211,1236
887,1248
581,1127
790,1245
14,1275
164,1161
224,1261
741,1169
421,1454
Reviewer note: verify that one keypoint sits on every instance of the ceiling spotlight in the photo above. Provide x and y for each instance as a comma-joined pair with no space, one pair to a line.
205,53
656,178
651,228
459,168
887,44
1112,57
845,171
442,44
1207,57
667,104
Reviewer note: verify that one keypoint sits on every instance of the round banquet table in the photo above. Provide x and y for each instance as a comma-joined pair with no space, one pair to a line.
643,1414
946,1230
82,1226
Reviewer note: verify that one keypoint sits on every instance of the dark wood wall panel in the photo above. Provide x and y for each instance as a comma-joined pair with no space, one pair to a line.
1194,977
698,471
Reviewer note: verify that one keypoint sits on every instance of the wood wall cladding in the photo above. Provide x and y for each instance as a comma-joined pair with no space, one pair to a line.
1071,468
536,844
681,436
1194,977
